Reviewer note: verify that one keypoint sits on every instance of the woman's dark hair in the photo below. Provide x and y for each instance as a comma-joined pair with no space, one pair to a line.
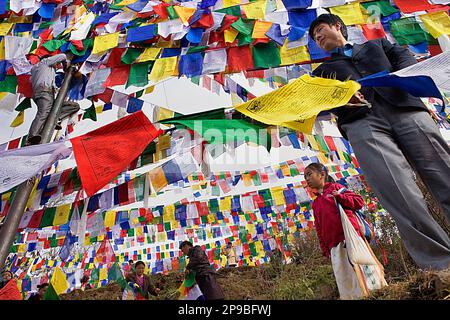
318,167
186,243
329,19
43,285
138,263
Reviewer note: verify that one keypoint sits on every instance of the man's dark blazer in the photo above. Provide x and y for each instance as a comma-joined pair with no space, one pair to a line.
369,58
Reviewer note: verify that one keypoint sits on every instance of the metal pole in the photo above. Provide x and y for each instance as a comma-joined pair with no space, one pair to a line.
12,221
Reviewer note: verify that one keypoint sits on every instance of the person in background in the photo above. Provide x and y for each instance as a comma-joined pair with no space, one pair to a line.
40,294
141,282
230,253
205,276
7,275
43,83
85,282
128,268
328,224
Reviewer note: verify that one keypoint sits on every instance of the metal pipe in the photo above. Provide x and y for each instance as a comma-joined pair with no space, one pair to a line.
18,205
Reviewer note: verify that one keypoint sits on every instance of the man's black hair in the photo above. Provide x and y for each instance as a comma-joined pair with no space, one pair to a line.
130,261
186,243
331,20
138,263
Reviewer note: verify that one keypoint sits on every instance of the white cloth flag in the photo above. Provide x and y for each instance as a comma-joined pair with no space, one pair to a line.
96,81
18,165
168,27
17,5
21,65
82,27
123,17
16,47
214,61
437,68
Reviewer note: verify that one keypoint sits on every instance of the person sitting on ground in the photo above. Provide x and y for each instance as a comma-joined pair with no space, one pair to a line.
40,294
141,282
43,83
205,276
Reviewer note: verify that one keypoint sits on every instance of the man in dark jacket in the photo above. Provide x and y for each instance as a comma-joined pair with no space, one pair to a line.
205,276
389,139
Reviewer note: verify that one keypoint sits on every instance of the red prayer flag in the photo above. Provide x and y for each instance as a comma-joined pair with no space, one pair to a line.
373,31
410,6
240,59
13,144
24,85
103,153
118,76
115,58
10,291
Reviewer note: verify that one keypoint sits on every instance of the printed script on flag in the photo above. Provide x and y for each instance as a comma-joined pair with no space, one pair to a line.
105,152
297,104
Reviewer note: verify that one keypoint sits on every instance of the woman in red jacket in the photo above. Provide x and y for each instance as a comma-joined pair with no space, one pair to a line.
328,225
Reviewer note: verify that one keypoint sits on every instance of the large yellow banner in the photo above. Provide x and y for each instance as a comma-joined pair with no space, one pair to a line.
297,104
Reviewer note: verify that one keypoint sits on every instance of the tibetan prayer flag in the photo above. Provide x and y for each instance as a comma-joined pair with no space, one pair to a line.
407,31
105,42
255,10
141,33
190,65
118,76
384,7
436,23
184,13
293,56
59,281
103,153
149,54
349,13
266,55
18,120
50,293
240,59
163,68
138,75
260,28
10,291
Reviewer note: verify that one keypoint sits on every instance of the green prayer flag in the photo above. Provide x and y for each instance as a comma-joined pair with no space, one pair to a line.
138,75
140,93
384,6
197,49
47,217
9,84
232,11
407,31
244,39
242,27
50,293
266,55
25,104
87,43
95,275
131,55
53,45
172,13
90,113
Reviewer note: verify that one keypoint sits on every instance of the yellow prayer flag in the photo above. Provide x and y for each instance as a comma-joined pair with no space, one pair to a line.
110,218
211,218
260,28
160,236
297,104
278,196
149,54
18,120
169,213
255,10
4,28
247,179
157,179
125,2
22,248
98,109
163,68
103,275
313,142
139,231
225,204
322,158
251,229
230,3
294,55
62,214
230,35
165,114
105,42
436,23
352,171
259,247
59,281
184,13
285,170
350,13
